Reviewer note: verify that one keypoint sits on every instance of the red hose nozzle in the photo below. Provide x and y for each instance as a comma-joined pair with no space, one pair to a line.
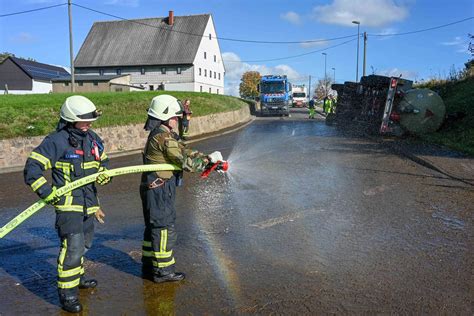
218,166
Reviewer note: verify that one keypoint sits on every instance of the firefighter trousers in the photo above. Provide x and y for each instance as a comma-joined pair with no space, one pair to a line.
159,237
76,232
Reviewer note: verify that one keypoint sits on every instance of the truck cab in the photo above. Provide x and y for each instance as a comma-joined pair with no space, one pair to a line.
275,95
299,96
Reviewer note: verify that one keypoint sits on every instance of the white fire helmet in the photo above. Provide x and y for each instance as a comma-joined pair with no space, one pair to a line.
77,108
164,107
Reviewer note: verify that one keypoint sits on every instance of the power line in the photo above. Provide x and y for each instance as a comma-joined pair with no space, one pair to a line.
216,37
424,30
288,57
33,10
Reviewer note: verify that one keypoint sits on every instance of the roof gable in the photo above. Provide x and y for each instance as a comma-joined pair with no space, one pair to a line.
38,70
142,42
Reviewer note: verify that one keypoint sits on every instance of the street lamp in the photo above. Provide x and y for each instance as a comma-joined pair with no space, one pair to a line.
358,36
334,69
325,75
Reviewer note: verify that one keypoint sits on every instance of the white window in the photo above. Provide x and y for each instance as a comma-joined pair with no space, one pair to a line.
217,91
200,88
219,76
163,71
178,70
210,37
214,75
215,58
205,55
142,71
199,71
209,89
205,72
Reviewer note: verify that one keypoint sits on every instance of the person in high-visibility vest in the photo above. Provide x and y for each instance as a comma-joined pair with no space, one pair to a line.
327,104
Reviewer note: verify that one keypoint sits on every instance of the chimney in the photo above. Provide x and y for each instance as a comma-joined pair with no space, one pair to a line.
171,18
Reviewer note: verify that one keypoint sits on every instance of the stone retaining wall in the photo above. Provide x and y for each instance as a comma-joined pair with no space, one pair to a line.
14,152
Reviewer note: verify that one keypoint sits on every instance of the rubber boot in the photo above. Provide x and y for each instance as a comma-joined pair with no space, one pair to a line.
70,303
147,268
87,284
172,277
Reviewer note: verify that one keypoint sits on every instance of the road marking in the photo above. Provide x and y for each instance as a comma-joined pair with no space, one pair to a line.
285,218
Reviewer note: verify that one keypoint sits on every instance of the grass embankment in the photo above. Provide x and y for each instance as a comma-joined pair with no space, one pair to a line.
33,115
458,97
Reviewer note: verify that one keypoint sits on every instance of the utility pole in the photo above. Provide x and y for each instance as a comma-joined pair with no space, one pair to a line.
365,52
309,87
71,52
325,75
358,37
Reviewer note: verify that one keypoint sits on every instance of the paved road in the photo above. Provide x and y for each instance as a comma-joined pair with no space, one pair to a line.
307,221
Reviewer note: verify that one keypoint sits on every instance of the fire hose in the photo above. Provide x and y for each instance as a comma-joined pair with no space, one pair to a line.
20,218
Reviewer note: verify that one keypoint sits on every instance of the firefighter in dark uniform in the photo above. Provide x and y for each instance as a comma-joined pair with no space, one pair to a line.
158,189
73,151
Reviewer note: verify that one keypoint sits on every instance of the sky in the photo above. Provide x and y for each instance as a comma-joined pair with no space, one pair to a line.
44,35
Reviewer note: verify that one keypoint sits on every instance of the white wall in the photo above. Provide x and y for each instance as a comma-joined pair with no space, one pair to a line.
38,87
207,65
152,76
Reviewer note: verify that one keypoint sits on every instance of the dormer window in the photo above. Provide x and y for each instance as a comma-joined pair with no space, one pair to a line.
210,37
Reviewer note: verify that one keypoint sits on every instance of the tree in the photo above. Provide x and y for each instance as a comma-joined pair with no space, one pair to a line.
323,88
469,70
5,55
248,84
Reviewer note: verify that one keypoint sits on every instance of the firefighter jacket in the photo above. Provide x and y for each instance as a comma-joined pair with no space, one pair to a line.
71,154
164,146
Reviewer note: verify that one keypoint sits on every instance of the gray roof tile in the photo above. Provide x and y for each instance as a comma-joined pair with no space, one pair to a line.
142,42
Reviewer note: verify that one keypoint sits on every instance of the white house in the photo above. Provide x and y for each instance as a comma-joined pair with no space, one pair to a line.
174,53
22,76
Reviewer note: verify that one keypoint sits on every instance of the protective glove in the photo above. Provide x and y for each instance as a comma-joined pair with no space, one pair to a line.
99,216
102,179
52,198
215,157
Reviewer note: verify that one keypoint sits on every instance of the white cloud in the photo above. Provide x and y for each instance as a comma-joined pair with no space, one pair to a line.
124,3
386,32
235,69
291,17
460,44
395,72
314,44
367,12
23,38
456,41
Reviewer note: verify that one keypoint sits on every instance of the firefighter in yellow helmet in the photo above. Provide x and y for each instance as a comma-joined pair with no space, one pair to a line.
72,152
158,189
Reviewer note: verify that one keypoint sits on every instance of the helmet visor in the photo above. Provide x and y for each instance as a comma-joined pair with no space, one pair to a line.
91,115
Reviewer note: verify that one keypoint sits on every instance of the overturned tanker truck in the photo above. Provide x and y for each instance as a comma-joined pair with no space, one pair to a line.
388,106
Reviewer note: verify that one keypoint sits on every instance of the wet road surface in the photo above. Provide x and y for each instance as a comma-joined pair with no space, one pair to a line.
307,221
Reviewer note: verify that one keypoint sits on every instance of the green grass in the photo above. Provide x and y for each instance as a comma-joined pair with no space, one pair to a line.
458,96
38,114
